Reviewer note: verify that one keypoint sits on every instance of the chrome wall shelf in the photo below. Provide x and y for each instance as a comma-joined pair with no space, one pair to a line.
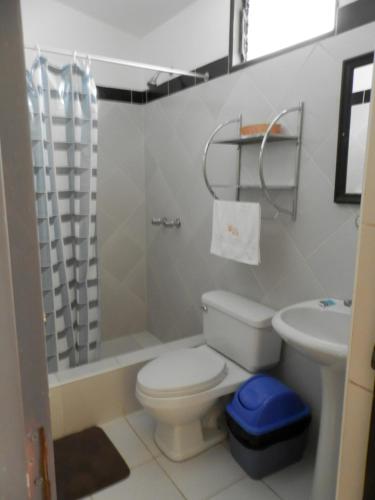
271,187
261,139
257,139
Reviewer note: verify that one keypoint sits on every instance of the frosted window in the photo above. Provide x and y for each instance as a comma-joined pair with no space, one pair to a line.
273,25
357,147
362,78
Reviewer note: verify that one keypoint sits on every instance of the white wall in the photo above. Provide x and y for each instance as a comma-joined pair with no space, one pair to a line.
49,23
196,36
342,3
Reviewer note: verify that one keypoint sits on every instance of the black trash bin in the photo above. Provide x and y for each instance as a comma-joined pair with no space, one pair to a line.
267,424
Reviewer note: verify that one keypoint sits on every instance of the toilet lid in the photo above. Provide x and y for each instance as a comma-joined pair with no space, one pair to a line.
181,373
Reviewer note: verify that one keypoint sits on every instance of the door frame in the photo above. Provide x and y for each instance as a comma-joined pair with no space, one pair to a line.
26,451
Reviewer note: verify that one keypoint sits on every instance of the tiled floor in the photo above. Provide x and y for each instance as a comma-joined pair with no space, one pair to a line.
212,475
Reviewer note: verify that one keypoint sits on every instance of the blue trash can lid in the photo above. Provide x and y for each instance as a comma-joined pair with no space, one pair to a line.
264,404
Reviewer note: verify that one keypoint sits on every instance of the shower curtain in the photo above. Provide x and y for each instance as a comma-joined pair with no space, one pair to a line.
63,120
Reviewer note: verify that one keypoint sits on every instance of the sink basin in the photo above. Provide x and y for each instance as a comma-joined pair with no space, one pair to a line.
322,335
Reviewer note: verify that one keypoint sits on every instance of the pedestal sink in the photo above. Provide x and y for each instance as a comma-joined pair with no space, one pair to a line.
322,334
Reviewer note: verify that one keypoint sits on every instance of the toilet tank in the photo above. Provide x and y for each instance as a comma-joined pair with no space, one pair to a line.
240,329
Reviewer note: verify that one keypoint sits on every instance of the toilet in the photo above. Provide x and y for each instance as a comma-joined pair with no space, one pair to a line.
184,389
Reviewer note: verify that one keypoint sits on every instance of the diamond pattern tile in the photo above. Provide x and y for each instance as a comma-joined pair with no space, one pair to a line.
301,260
153,153
121,219
181,122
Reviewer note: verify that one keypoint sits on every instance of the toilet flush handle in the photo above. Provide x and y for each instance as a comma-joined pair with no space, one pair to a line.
204,308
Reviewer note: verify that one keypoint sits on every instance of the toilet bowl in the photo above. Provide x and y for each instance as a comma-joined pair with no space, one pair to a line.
184,389
198,377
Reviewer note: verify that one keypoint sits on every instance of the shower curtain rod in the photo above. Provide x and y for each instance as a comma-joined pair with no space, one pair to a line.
120,62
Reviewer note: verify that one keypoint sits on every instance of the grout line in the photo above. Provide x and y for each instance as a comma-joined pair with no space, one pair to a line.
304,259
151,459
170,478
311,158
273,491
360,386
226,488
148,461
217,492
340,226
138,435
133,467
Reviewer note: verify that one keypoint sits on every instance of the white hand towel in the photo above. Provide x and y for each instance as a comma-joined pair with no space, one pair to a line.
236,231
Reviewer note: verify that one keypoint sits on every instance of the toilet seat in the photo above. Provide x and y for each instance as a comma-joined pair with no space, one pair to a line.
181,373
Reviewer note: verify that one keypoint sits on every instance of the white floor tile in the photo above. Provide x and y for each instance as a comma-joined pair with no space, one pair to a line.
247,489
294,482
144,425
205,475
126,441
147,482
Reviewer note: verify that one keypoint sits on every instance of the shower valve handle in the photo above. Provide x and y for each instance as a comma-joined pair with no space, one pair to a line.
157,221
172,222
164,221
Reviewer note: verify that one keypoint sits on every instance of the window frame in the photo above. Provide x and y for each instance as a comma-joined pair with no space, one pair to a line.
341,195
244,64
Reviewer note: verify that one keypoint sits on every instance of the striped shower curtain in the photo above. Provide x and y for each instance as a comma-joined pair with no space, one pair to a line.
63,119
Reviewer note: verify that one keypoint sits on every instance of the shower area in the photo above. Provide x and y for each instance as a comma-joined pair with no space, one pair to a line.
122,243
107,219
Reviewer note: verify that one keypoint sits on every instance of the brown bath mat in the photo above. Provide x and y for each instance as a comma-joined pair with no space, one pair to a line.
86,462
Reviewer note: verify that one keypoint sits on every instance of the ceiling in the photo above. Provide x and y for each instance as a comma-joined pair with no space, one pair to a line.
137,17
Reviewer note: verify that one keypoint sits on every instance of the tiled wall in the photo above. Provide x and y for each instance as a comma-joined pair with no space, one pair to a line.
151,167
121,219
311,257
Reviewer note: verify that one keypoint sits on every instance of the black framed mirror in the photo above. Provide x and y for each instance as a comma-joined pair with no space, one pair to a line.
353,124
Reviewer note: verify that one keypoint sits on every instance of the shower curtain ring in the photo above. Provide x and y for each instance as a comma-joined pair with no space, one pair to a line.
75,57
38,51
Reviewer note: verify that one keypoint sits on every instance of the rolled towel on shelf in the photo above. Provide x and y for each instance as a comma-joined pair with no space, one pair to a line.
236,231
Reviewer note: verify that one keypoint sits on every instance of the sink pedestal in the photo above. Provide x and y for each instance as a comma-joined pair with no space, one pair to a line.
325,475
322,335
